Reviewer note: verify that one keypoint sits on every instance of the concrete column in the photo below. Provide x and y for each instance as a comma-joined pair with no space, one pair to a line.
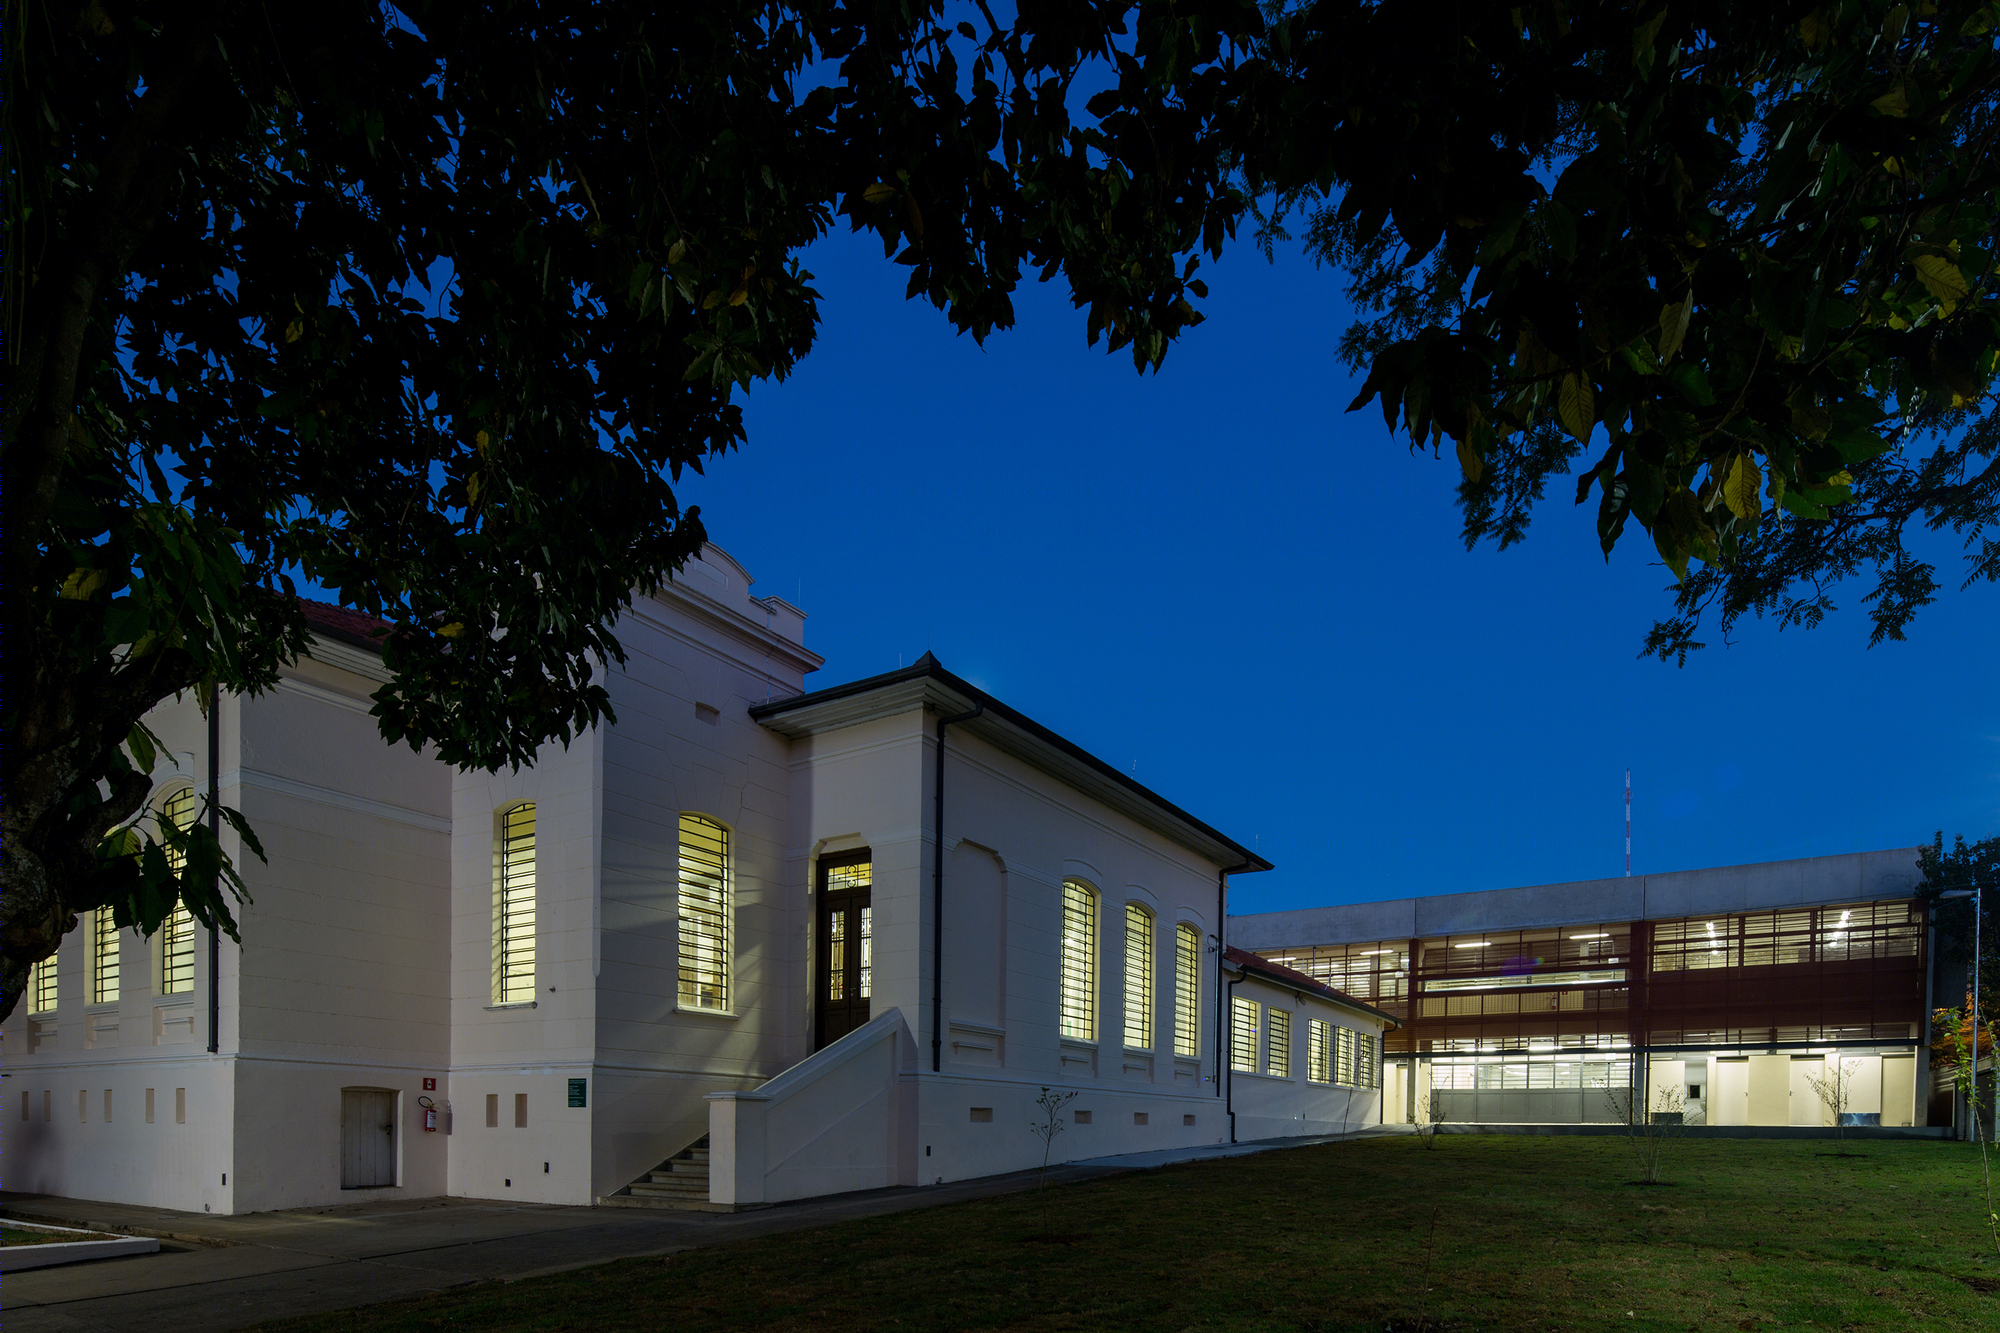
736,1167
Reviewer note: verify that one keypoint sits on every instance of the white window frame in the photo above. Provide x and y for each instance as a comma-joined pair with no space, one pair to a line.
1076,966
705,917
1187,991
174,941
1141,929
1277,1042
516,900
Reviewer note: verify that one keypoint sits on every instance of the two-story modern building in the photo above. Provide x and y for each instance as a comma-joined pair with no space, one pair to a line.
1735,995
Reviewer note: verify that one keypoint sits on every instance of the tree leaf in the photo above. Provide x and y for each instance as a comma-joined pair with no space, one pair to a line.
1895,102
1674,325
1740,486
879,192
1941,277
1575,406
1469,461
140,743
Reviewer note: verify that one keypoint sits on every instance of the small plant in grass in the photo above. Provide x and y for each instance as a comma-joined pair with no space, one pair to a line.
1430,1114
1836,1092
1954,1047
1051,1105
1649,1131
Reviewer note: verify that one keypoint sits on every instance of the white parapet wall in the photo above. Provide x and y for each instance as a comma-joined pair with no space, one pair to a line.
842,1119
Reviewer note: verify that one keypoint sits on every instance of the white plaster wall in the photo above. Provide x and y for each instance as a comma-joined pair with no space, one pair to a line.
1016,832
79,1155
345,981
532,1048
545,1161
1268,1107
339,981
684,741
287,1116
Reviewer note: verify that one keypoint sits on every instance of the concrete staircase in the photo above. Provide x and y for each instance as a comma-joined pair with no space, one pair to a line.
679,1182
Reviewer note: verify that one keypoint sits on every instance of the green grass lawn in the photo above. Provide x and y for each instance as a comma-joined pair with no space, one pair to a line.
1484,1232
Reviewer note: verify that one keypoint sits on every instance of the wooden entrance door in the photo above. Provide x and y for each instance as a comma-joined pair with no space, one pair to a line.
367,1138
843,948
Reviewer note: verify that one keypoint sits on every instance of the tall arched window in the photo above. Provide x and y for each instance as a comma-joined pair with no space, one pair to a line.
1187,990
1077,1003
176,956
514,907
103,957
1138,977
704,913
42,987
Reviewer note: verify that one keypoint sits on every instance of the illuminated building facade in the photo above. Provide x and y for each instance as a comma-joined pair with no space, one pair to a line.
1732,996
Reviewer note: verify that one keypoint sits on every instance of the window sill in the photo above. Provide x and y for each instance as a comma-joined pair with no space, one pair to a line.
961,1025
518,1004
1081,1043
1146,1051
1274,1078
180,999
705,1013
103,1007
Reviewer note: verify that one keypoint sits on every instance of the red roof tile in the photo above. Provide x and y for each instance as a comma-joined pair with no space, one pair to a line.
1299,981
337,622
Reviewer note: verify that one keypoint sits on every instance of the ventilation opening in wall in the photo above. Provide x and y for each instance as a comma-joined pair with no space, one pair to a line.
708,713
1083,1117
982,1115
1187,1120
1140,1118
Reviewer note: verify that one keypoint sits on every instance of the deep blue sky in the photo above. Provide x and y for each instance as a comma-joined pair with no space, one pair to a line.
1218,575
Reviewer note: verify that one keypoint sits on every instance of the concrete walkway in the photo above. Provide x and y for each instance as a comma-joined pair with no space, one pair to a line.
215,1273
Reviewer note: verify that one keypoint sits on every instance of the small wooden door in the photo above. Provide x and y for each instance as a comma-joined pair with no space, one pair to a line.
367,1138
844,948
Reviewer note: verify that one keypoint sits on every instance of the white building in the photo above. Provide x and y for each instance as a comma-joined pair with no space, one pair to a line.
722,920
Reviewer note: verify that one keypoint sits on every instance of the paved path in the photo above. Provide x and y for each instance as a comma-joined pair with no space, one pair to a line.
215,1273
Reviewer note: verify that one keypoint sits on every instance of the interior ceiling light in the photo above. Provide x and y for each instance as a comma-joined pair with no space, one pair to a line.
1601,935
1476,944
1370,953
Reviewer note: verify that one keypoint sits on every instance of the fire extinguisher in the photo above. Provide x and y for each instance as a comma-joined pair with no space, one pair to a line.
430,1114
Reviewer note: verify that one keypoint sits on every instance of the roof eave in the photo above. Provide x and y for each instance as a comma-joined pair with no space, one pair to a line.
927,684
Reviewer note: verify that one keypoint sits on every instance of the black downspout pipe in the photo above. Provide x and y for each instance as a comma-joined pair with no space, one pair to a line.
214,831
1224,993
1229,1103
937,891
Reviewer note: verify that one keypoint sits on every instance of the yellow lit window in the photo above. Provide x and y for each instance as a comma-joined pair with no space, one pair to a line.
42,987
1187,990
1278,1061
1078,1001
514,908
176,971
1319,1059
704,913
1243,1025
103,957
1343,1058
1138,977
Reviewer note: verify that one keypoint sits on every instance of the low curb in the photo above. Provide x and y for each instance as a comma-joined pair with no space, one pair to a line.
21,1258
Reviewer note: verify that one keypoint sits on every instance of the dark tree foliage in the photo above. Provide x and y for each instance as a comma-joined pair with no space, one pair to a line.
431,303
1959,867
1745,251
